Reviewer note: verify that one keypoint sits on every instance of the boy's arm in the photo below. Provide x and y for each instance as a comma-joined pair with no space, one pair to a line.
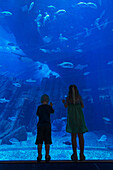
52,111
51,104
37,113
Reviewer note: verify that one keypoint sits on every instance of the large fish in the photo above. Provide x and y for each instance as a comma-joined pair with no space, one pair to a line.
8,43
66,65
6,13
25,8
60,12
31,6
92,5
82,4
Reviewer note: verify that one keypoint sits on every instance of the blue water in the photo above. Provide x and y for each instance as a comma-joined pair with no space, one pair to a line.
44,47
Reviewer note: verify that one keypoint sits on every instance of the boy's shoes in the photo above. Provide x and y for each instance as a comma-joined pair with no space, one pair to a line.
82,157
74,157
39,158
47,158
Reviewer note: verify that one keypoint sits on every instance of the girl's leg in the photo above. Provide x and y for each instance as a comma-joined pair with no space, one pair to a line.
74,143
81,143
47,150
40,150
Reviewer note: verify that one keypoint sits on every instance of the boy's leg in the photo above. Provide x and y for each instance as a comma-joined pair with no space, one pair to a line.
47,146
74,143
81,143
40,150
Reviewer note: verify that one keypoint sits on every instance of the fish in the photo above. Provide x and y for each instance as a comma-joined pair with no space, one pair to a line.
92,5
86,73
81,67
31,6
103,96
51,7
89,4
46,18
64,118
52,73
66,65
62,38
106,119
110,62
44,50
9,42
12,118
25,8
47,39
14,141
60,12
6,13
79,50
17,84
3,100
31,81
38,18
103,138
82,4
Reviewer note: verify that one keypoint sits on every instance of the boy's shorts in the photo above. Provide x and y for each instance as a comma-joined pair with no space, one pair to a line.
43,134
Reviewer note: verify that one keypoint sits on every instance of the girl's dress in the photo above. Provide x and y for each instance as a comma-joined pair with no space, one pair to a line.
75,118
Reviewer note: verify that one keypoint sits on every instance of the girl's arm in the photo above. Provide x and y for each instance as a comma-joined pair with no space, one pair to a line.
81,102
65,103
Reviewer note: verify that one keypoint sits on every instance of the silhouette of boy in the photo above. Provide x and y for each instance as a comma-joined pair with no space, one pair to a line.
44,127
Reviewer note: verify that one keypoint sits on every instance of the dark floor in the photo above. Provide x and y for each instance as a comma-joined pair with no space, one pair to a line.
56,165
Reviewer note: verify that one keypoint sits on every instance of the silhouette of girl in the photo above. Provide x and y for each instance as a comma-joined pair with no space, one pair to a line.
75,121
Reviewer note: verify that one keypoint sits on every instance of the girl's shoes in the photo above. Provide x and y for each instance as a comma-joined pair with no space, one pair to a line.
39,158
82,157
74,157
47,158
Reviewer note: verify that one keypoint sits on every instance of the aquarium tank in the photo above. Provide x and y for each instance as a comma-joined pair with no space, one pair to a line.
45,46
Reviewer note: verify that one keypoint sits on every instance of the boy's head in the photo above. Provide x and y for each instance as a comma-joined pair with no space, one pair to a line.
45,98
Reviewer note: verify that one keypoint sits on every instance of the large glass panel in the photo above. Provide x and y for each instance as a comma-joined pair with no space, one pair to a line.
45,46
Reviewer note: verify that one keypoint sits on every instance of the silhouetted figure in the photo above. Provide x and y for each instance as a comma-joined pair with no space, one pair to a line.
75,121
44,127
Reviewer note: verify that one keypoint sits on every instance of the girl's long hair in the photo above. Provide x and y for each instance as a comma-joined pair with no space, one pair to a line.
73,97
